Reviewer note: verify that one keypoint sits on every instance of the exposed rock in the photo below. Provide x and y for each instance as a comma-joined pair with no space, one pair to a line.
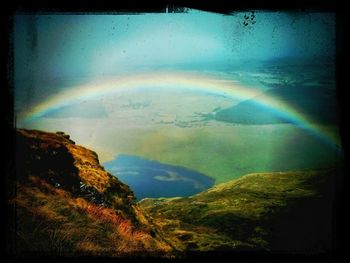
63,164
66,136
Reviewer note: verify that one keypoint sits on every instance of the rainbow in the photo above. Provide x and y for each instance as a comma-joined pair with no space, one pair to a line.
166,80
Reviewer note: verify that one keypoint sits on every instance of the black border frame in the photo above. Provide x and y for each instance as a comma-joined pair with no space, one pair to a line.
132,6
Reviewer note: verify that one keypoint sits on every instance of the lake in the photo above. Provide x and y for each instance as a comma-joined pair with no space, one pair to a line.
149,178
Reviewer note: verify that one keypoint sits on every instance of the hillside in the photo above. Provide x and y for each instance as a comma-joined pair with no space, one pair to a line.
289,212
67,204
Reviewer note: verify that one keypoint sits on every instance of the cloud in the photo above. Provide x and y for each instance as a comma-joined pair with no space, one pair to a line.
170,177
173,177
134,173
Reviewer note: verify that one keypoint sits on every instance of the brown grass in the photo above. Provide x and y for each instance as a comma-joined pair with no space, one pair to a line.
51,221
89,168
54,220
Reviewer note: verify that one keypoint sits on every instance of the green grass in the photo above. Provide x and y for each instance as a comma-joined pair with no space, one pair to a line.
257,211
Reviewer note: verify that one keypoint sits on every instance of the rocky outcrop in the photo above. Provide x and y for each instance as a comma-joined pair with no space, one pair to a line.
55,158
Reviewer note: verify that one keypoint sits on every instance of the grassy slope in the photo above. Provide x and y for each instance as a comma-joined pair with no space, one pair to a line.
271,211
67,204
51,221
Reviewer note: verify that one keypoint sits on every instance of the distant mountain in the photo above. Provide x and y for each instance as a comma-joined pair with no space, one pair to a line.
289,212
308,86
65,203
318,104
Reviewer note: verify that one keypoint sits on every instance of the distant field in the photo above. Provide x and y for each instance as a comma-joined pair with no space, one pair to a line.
225,152
221,151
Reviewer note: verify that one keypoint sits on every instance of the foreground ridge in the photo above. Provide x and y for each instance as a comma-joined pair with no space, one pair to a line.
67,204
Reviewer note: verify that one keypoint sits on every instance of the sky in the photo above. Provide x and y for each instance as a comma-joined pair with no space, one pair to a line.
52,52
140,84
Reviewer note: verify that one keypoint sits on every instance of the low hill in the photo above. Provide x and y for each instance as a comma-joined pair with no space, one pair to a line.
289,212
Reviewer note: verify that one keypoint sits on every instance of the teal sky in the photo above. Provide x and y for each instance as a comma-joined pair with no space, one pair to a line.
53,50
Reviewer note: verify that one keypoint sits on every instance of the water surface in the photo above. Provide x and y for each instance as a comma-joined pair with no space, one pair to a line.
154,179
